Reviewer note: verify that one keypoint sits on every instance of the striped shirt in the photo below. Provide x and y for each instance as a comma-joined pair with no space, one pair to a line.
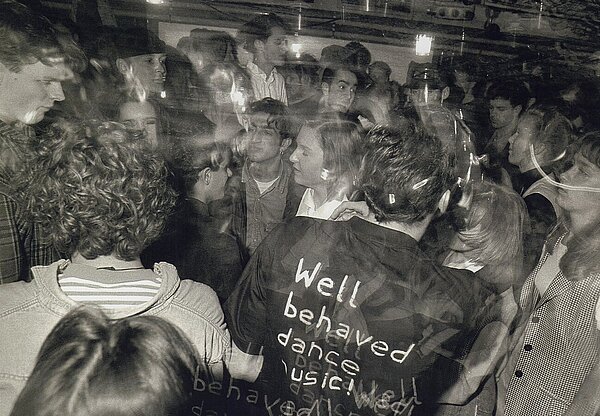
109,289
263,86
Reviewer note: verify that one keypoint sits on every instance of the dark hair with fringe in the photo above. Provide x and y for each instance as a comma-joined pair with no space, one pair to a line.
278,116
91,365
96,188
260,28
404,173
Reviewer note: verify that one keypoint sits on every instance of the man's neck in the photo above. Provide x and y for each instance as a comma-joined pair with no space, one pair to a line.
265,66
415,230
265,171
107,261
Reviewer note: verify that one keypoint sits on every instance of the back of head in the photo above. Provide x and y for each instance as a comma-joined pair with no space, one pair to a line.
90,365
404,173
553,131
511,90
493,227
360,55
26,37
97,188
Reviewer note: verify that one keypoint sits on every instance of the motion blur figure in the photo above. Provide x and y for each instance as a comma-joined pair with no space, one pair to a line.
32,66
326,162
550,134
553,367
90,365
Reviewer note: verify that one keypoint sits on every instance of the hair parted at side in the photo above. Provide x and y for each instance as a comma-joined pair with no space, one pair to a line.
27,37
97,188
90,365
278,116
259,28
404,173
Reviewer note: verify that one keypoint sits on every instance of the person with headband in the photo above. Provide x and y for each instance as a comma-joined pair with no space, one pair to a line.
326,161
90,365
549,134
335,313
554,366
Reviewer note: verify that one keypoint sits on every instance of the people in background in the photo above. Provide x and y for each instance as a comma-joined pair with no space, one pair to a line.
32,66
91,365
265,38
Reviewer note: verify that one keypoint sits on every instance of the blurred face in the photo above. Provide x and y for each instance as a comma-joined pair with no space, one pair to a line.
264,142
308,159
276,46
422,97
580,203
140,116
149,70
518,153
340,94
31,92
218,179
502,113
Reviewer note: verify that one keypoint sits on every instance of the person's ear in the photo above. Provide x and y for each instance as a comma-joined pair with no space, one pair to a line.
325,88
205,176
445,93
122,66
540,150
444,201
284,145
517,109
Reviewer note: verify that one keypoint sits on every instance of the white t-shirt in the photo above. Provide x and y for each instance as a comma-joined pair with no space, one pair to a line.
308,208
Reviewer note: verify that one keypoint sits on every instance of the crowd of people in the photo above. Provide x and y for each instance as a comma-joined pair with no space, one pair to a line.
223,228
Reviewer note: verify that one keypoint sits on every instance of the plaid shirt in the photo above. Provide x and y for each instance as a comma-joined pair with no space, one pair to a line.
19,247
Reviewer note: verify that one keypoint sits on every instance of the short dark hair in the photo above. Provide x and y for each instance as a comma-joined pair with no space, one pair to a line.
360,55
278,116
191,156
516,92
330,72
260,28
404,173
27,37
92,365
97,188
306,65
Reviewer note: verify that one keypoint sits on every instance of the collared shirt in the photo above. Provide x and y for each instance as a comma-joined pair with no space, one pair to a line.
264,210
272,85
19,247
308,207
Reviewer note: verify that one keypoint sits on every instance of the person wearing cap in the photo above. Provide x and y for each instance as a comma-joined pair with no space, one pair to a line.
262,46
33,64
